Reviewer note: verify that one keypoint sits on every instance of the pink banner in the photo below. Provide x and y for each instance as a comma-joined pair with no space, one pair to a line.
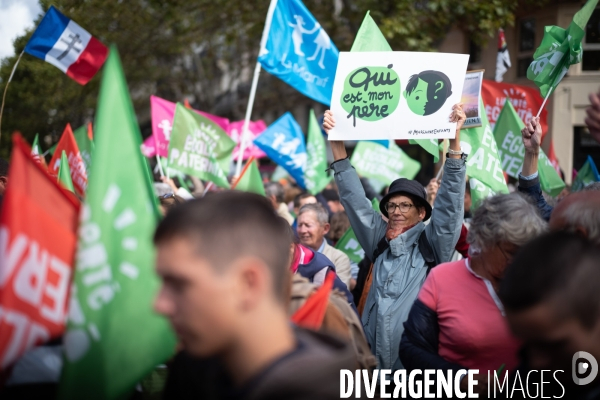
163,112
255,128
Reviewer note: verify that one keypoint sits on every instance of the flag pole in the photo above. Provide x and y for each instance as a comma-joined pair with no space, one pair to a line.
239,178
160,169
263,43
6,88
544,103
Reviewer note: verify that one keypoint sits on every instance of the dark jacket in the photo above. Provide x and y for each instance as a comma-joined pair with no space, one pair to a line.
318,262
419,344
533,189
312,371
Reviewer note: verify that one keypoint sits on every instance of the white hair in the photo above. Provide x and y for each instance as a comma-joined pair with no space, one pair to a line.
320,212
509,218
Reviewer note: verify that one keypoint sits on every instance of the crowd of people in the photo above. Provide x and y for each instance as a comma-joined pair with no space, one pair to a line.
508,287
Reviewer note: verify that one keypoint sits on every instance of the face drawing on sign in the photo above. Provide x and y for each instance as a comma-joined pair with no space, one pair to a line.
427,92
371,93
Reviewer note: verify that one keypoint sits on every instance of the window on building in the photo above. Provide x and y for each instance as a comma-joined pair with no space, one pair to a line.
474,53
526,46
591,43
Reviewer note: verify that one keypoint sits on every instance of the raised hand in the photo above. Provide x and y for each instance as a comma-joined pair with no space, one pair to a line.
328,121
458,116
593,119
532,135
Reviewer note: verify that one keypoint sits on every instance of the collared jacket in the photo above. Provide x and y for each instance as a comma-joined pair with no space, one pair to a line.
533,188
400,270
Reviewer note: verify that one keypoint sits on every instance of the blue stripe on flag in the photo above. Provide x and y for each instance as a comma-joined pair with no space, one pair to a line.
47,33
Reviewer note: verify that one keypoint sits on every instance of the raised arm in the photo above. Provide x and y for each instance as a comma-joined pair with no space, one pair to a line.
529,180
367,223
448,210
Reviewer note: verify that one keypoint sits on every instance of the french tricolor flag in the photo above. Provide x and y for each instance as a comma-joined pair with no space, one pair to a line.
64,44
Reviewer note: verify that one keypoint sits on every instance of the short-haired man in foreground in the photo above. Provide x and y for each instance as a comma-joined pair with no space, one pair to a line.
552,302
226,282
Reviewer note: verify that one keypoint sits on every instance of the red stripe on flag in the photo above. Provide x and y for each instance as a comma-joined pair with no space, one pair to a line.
89,62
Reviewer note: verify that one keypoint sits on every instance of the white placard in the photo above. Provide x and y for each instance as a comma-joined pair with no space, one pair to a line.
396,95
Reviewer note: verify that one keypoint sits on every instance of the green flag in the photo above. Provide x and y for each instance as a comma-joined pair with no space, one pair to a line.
370,38
586,175
373,160
315,176
483,162
200,147
251,181
350,246
512,152
64,173
35,147
85,144
559,50
113,336
479,191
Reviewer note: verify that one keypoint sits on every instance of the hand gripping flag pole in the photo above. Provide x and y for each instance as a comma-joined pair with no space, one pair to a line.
263,43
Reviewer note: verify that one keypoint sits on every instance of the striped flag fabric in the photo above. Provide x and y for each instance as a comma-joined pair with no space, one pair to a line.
61,42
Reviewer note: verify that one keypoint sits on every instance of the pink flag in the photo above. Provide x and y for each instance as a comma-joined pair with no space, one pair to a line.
163,112
255,128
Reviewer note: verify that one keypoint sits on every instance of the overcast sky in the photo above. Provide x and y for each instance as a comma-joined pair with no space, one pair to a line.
16,17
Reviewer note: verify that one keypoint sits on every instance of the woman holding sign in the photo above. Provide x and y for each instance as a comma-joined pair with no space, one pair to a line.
403,249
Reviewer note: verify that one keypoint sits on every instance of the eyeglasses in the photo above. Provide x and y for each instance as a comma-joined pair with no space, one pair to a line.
168,195
404,207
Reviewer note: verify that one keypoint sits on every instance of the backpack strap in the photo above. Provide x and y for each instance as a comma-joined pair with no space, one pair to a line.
427,251
381,247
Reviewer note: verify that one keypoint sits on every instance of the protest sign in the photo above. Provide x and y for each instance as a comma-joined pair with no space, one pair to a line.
384,164
471,96
200,147
396,95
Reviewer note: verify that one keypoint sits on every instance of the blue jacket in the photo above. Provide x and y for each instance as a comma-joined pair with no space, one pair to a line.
318,262
400,270
533,188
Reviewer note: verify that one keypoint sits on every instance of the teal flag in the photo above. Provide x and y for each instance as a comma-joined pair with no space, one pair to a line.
113,337
586,175
507,132
560,48
372,160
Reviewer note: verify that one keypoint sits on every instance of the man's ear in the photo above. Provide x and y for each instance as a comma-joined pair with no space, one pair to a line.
326,228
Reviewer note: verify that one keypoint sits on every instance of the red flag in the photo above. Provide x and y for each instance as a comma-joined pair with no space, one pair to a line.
526,101
312,312
69,145
38,235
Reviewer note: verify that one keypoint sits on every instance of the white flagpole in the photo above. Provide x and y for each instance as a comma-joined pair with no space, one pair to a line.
263,43
544,103
8,82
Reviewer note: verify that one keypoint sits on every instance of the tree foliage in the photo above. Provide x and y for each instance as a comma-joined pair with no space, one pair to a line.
206,50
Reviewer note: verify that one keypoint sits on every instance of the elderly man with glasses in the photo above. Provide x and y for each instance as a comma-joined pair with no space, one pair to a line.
402,249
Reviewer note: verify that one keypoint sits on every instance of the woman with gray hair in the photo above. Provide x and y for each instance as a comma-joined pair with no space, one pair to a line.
457,321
